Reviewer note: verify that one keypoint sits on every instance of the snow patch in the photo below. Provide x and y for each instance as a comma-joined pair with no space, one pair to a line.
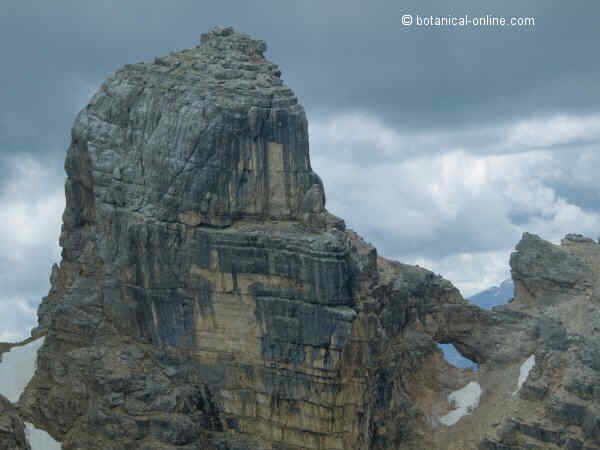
524,372
465,400
39,439
17,368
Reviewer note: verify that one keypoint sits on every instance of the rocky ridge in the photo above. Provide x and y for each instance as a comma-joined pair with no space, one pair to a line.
206,299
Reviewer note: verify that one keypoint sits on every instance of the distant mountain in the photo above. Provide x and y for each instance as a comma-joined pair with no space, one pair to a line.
494,296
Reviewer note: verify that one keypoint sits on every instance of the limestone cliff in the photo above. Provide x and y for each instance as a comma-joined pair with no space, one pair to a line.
206,299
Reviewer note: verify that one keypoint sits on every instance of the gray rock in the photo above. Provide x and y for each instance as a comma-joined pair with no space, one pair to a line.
206,298
12,428
547,274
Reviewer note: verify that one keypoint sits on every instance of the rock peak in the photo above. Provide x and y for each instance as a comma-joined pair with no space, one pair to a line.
226,38
216,137
206,299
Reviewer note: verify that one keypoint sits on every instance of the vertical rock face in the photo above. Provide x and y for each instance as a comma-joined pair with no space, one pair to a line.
204,289
206,299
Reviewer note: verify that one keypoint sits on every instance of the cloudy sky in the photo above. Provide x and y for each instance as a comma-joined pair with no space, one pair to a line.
440,145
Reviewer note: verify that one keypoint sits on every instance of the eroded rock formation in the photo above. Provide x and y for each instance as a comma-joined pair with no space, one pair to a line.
12,428
206,299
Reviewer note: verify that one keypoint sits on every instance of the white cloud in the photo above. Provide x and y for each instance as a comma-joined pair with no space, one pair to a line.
553,131
471,272
31,206
364,137
369,135
17,317
456,210
17,368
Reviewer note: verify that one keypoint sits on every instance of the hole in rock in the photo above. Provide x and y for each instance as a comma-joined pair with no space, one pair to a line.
454,357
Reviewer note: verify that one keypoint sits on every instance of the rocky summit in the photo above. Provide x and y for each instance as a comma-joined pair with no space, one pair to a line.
206,299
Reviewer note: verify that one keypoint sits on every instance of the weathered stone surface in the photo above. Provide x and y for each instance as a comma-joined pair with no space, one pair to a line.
195,228
12,428
206,299
558,405
546,274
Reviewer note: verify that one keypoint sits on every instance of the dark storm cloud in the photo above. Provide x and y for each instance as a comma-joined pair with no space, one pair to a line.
339,54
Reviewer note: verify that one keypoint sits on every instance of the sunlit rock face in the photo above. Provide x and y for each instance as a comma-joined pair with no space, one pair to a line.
206,299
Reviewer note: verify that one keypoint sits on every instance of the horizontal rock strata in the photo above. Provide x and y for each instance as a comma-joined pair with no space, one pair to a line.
206,299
